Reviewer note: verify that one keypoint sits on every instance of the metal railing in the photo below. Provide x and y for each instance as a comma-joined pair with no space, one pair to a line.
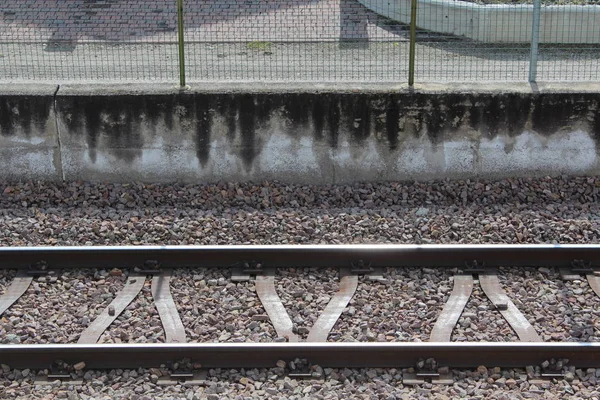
298,41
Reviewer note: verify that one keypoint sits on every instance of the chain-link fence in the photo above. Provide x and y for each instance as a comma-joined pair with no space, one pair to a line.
63,41
300,40
569,42
88,40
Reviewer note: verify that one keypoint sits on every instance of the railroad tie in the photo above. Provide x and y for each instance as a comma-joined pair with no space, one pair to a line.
320,330
167,310
132,288
594,282
491,287
18,286
442,330
265,289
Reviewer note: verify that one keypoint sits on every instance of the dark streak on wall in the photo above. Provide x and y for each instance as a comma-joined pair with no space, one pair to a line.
203,124
595,130
116,119
26,113
248,125
392,121
121,124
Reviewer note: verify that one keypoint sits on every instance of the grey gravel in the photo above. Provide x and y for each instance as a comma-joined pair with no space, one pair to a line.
305,292
214,309
242,384
561,210
480,321
57,308
6,276
403,308
558,310
584,311
139,323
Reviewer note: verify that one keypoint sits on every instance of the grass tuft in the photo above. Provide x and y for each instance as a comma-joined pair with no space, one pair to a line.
259,45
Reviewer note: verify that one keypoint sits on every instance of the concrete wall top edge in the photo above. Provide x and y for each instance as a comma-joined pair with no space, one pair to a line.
224,87
99,89
341,88
27,89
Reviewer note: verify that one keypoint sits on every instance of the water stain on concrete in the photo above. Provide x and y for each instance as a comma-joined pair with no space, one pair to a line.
246,108
124,125
391,121
27,114
203,126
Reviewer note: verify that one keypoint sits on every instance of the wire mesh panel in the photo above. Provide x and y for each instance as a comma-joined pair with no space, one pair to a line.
569,41
293,40
63,41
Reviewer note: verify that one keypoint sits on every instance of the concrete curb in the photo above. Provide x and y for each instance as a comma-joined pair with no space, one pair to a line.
497,23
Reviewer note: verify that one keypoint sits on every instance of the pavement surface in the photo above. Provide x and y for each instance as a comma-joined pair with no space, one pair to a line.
66,41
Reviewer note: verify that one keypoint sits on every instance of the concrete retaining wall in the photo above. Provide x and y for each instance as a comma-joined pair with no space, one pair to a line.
29,144
497,23
311,135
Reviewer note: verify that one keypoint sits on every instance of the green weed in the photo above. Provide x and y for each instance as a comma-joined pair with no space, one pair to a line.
259,45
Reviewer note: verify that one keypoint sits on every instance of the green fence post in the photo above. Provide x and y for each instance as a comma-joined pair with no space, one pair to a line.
413,38
535,40
181,43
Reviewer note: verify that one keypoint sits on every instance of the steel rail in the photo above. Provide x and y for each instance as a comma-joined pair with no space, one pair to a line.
547,255
256,355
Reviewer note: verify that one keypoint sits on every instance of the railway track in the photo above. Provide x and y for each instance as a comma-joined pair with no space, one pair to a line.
470,265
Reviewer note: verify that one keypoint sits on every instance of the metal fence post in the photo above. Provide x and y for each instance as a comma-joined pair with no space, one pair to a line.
413,38
535,40
181,43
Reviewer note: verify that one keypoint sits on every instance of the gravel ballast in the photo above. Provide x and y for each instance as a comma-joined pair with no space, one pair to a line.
481,322
58,307
402,308
6,276
549,210
214,309
305,292
558,310
561,210
368,383
139,323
